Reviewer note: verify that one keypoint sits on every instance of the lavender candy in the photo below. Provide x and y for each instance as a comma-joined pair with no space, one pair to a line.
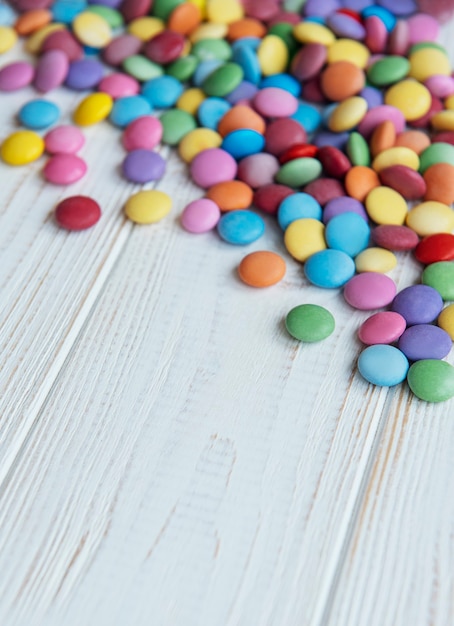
399,9
244,91
346,26
143,166
84,74
424,341
315,8
418,304
344,204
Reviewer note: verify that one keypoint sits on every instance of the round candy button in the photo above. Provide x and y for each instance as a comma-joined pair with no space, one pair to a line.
309,323
77,213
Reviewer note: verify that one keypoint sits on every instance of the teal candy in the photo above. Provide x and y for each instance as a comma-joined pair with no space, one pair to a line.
347,232
240,227
243,142
383,365
298,206
162,92
126,110
329,268
38,114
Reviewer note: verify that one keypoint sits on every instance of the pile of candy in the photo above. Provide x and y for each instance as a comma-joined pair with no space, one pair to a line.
331,115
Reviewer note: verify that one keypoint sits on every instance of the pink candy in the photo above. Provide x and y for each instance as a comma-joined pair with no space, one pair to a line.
275,102
369,290
119,85
64,140
64,169
143,133
212,166
200,216
51,70
16,75
383,327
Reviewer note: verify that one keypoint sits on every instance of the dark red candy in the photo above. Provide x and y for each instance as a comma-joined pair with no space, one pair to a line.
263,10
334,162
406,181
434,248
77,213
132,9
269,197
164,47
325,189
63,40
422,122
394,237
298,151
30,5
308,61
285,17
312,91
282,134
120,48
446,136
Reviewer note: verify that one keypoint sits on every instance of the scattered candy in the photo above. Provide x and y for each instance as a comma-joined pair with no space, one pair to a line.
310,323
262,268
77,213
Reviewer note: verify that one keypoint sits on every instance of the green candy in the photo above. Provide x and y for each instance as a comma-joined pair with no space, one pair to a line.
175,125
388,70
309,323
223,80
141,68
431,380
358,150
211,49
183,68
440,276
439,152
299,172
163,8
111,16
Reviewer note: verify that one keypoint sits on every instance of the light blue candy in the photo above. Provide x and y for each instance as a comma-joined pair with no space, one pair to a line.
211,111
329,268
247,59
7,15
243,142
327,112
388,19
297,206
282,81
249,42
347,232
66,10
308,116
241,227
204,69
127,109
383,365
162,92
38,114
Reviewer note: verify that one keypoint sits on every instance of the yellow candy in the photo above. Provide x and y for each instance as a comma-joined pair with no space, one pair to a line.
349,50
224,11
148,207
92,29
190,100
93,109
34,43
310,32
446,320
201,4
386,206
427,62
209,30
197,140
449,103
272,55
410,97
347,114
22,147
375,260
431,217
444,120
396,156
144,28
8,38
304,237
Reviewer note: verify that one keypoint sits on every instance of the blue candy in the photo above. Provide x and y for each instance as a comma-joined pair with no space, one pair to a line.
388,19
243,142
211,111
308,116
240,227
329,268
282,81
297,206
383,365
7,15
246,58
127,109
204,69
162,92
38,114
249,42
347,232
66,10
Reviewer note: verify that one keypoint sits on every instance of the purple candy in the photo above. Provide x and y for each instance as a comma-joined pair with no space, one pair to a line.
425,341
372,96
344,204
244,91
326,138
113,4
400,8
315,8
357,5
418,304
84,74
346,26
143,166
16,75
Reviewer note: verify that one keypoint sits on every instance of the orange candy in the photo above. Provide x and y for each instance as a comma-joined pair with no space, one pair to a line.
262,268
231,195
241,116
360,180
383,137
439,179
341,80
416,140
31,21
246,27
184,18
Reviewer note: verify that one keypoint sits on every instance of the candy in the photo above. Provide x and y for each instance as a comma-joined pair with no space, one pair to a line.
148,207
16,75
262,269
418,304
212,166
258,170
275,102
309,323
64,139
431,217
38,114
144,132
240,227
127,109
8,38
432,380
369,290
200,216
77,213
383,365
84,74
329,268
405,180
437,247
64,169
243,142
231,195
375,260
347,232
424,341
92,30
22,147
297,206
383,327
386,206
299,172
93,109
143,166
440,276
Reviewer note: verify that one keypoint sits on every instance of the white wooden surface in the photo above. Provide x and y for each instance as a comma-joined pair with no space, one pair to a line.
170,456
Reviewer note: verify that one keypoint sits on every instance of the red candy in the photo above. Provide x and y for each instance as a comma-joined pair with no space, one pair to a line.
298,151
131,9
77,213
269,197
434,248
409,183
164,47
325,189
63,40
393,237
282,134
334,162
